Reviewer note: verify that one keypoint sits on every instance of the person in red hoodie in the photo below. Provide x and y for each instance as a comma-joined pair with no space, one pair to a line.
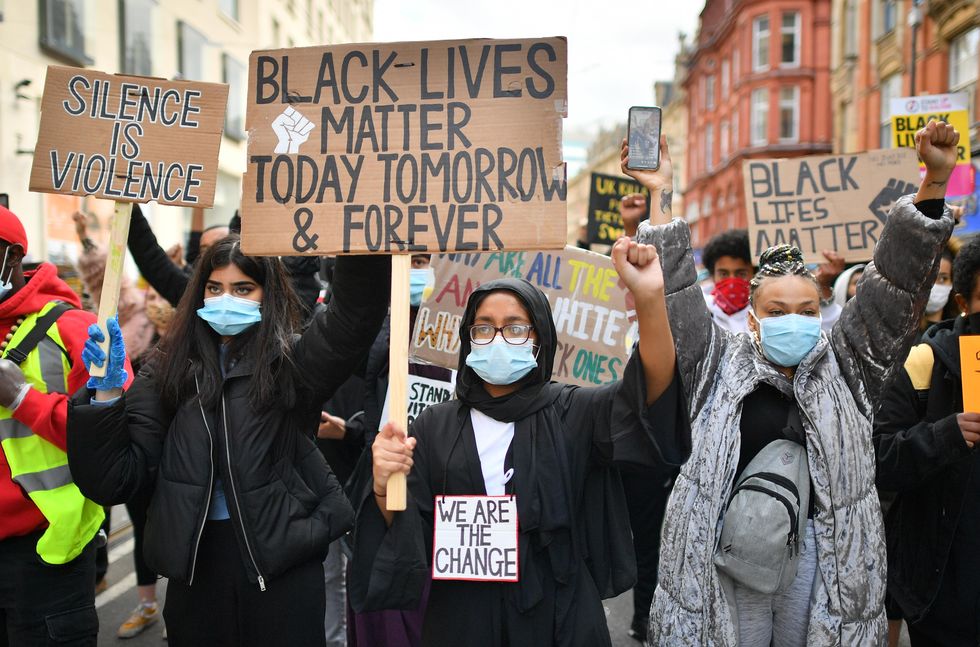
47,528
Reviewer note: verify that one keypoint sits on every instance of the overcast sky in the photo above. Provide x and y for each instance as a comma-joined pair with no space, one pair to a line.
616,48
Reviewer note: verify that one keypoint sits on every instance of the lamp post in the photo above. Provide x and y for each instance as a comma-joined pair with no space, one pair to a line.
914,22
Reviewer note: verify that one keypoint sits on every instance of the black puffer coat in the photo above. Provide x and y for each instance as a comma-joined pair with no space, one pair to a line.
285,503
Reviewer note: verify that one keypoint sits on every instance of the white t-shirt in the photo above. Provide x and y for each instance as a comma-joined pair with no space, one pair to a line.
493,439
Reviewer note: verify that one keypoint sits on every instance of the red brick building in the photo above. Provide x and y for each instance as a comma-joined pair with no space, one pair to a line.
872,62
758,85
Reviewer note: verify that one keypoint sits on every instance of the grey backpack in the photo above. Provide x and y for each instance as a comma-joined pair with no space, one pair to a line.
766,517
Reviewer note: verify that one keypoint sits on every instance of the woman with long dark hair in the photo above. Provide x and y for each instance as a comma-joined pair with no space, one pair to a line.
221,423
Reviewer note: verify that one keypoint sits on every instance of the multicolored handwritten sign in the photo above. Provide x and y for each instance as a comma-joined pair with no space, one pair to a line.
911,114
596,330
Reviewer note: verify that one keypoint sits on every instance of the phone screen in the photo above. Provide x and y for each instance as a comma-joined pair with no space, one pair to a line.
644,138
5,200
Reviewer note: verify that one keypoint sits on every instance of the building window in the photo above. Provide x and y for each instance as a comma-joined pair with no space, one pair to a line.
233,74
887,16
723,144
789,114
963,52
190,52
736,59
63,29
891,88
726,76
229,8
735,131
709,146
789,54
760,117
850,28
706,207
709,98
136,37
760,43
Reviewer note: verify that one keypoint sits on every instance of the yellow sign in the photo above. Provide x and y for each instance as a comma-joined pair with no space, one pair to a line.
970,370
911,114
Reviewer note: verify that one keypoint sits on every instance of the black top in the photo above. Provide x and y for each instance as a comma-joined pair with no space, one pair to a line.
764,419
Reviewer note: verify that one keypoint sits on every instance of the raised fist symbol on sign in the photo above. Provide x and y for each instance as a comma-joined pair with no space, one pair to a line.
292,129
888,196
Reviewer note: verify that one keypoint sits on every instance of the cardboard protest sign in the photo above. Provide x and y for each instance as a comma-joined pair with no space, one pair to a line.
423,392
605,224
911,114
595,329
475,539
970,370
127,138
832,202
406,147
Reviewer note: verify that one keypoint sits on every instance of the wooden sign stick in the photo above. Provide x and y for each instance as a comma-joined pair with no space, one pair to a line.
401,266
113,277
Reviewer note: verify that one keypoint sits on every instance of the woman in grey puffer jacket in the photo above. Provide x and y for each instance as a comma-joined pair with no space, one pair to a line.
836,386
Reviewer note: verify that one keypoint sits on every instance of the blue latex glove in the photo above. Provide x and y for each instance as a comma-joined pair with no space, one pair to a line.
92,355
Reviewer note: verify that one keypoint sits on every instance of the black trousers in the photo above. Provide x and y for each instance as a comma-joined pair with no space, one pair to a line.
136,507
224,609
646,499
43,605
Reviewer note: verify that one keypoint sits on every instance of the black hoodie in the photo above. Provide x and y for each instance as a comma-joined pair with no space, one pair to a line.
933,527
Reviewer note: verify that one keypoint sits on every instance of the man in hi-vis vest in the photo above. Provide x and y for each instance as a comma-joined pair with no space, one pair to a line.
47,554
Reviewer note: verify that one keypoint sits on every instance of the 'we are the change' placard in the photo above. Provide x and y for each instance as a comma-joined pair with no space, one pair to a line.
406,147
128,138
475,538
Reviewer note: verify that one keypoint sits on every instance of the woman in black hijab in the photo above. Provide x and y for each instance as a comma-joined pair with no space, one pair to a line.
512,431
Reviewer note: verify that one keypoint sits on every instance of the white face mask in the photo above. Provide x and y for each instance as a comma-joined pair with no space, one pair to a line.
938,297
5,286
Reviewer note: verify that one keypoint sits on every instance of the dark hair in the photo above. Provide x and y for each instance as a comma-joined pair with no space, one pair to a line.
213,227
966,268
734,243
782,260
188,359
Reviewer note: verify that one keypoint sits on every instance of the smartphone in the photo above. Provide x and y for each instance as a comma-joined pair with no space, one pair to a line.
5,200
643,138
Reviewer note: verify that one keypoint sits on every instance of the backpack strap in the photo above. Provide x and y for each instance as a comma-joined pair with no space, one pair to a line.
19,353
919,366
794,425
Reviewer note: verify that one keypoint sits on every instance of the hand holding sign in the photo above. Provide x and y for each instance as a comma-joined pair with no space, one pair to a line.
969,424
391,454
292,129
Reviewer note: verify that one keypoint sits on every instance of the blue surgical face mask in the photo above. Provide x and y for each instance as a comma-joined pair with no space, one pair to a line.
501,363
418,281
787,339
230,315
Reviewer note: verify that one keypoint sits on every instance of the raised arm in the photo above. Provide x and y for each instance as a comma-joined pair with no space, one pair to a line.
697,340
876,328
153,262
341,334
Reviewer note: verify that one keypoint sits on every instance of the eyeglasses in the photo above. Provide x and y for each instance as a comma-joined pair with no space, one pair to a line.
515,334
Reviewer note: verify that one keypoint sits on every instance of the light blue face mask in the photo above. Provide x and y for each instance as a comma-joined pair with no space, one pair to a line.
418,280
501,363
786,340
230,315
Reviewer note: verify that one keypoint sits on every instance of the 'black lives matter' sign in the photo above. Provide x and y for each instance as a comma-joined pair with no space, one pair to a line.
406,147
129,139
833,202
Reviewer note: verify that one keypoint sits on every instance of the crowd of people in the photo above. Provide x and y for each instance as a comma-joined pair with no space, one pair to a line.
786,460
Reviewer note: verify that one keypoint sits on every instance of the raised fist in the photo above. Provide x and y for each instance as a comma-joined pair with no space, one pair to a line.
292,129
882,205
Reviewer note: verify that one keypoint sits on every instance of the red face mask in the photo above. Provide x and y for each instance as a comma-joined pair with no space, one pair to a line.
731,295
